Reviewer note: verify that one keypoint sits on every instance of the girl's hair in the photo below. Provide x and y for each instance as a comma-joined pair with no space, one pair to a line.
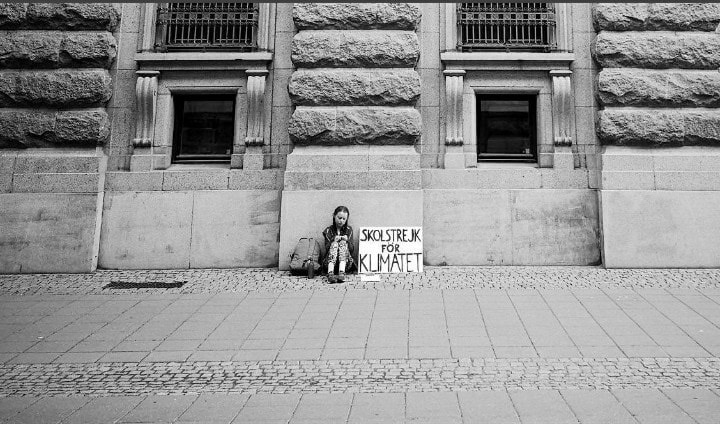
337,211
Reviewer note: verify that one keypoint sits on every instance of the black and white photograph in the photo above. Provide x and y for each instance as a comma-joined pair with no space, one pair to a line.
359,213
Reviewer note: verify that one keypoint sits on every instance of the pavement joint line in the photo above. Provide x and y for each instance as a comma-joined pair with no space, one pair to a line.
356,376
198,281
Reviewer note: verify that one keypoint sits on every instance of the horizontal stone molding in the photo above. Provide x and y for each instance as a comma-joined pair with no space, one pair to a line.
355,49
56,49
348,126
656,16
640,87
657,50
62,16
346,87
21,128
652,127
356,16
55,89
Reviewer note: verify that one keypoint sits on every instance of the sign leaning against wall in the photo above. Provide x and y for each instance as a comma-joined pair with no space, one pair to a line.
385,250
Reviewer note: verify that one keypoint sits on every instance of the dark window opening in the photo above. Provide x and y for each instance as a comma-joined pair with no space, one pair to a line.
506,26
207,26
204,129
507,128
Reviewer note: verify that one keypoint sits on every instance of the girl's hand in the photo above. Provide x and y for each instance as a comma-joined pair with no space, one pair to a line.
343,238
337,238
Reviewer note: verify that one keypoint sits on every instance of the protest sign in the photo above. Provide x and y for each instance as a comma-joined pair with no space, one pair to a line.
390,250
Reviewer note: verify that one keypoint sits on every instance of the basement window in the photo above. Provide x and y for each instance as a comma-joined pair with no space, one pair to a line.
204,128
507,128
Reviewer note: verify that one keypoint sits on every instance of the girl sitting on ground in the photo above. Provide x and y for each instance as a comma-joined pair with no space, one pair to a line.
339,245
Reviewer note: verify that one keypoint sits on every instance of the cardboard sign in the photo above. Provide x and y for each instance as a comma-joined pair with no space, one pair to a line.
390,250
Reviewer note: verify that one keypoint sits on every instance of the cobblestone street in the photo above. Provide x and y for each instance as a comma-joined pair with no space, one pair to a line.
454,344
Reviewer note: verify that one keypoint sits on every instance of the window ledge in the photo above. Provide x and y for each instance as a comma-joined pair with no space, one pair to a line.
203,60
513,61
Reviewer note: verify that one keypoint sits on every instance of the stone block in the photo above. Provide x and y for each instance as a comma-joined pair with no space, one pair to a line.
181,180
558,227
690,158
394,180
687,180
683,17
140,162
294,181
343,180
22,128
393,161
684,235
617,158
56,183
133,181
585,126
58,163
659,127
347,126
658,50
355,49
627,180
636,87
146,230
47,232
520,177
563,158
235,229
354,87
564,179
620,16
328,158
439,179
72,16
307,213
344,16
6,183
7,162
55,49
267,179
12,15
454,157
467,227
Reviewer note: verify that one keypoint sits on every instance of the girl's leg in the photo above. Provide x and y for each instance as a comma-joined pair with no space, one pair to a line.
332,257
342,255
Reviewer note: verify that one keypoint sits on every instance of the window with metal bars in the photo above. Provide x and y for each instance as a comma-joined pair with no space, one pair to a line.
207,26
506,26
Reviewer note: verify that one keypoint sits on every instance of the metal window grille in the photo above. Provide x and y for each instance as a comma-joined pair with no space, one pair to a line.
506,26
207,26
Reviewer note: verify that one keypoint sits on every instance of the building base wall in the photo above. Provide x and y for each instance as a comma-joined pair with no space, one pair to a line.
511,227
190,229
661,229
47,232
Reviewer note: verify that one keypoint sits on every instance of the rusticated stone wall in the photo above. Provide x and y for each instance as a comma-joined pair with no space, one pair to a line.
660,79
54,79
355,81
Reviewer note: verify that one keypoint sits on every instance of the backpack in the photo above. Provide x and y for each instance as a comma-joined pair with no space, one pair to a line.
305,258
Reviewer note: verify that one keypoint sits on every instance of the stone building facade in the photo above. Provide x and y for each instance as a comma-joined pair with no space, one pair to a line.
608,151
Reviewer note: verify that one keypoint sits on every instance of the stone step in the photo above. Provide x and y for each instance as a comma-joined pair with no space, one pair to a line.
352,158
353,180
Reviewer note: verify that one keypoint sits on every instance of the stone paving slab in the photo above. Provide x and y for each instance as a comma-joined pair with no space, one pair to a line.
271,279
353,376
617,406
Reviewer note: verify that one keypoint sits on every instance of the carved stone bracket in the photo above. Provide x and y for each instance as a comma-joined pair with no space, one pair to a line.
562,107
146,97
255,135
454,104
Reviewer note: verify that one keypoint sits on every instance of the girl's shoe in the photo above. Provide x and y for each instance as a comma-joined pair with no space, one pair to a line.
332,279
341,277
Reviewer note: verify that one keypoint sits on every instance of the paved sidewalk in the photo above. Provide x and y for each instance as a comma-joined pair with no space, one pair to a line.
455,344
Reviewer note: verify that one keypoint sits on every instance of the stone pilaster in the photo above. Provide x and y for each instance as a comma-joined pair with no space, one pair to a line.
454,156
562,105
146,104
255,136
